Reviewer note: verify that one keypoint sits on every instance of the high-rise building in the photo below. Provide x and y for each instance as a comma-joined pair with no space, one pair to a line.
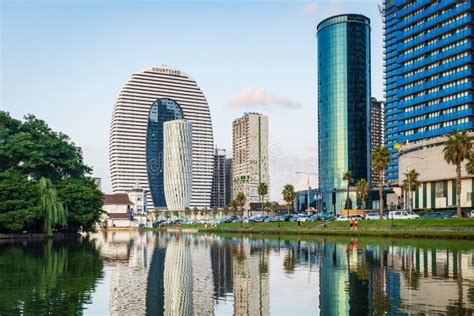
219,182
177,163
228,181
150,98
343,104
428,71
250,155
377,133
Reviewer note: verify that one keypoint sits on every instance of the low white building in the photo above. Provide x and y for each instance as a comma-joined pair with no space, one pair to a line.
119,211
437,178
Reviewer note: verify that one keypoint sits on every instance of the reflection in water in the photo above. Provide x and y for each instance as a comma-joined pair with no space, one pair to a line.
173,274
47,277
178,279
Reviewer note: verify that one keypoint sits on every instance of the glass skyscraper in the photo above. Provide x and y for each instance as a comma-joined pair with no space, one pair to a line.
343,103
161,111
428,71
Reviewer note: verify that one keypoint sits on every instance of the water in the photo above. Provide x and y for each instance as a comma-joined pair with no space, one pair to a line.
131,273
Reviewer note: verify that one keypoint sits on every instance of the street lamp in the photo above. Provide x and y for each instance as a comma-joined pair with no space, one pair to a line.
307,179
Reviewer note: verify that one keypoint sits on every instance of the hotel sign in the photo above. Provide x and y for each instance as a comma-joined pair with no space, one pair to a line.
166,71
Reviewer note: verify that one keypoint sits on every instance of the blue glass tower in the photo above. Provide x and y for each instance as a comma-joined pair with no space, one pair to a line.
343,103
161,111
428,71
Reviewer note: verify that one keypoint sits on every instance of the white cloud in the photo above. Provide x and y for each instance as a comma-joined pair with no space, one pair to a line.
311,9
260,98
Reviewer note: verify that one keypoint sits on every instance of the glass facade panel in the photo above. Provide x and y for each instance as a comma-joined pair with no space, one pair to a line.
343,103
161,111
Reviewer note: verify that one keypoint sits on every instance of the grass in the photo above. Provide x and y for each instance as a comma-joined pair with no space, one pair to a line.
416,228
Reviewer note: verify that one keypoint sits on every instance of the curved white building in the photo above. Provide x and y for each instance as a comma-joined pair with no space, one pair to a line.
177,163
132,116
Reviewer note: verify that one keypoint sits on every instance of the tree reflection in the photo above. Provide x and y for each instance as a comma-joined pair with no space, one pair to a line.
50,277
289,261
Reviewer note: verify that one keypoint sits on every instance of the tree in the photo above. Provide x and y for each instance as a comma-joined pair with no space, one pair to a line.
52,209
457,148
470,164
262,191
46,162
347,176
19,207
380,159
289,195
240,200
83,201
362,187
233,205
267,206
411,184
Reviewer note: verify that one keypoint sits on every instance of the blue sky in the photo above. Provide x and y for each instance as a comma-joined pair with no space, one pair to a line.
66,61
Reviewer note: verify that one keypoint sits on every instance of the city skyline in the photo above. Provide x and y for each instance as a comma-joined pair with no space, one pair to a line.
270,53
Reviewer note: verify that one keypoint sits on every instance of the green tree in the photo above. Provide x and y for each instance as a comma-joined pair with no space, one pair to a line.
362,187
347,176
30,151
411,184
262,191
19,207
83,201
289,195
53,211
380,159
240,200
41,151
456,149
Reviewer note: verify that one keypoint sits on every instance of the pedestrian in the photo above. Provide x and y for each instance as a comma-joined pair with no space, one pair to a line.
299,222
356,225
350,223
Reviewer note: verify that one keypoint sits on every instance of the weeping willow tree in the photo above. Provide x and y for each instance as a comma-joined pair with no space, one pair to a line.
54,214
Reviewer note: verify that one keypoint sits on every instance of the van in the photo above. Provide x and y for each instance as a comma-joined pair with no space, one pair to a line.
402,215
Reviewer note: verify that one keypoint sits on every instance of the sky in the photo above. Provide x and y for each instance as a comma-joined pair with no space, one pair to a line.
66,61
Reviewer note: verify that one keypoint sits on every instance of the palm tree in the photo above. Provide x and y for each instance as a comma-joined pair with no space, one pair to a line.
411,184
289,195
347,176
457,148
362,187
380,159
267,206
233,205
470,164
262,191
240,199
53,210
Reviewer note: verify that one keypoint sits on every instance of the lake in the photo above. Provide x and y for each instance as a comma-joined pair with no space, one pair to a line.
132,273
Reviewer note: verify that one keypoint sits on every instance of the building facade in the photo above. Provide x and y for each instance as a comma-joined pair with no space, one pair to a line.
377,134
129,134
250,165
219,182
428,71
437,178
228,181
178,163
343,104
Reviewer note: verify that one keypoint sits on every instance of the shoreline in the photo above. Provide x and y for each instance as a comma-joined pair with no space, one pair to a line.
399,232
459,231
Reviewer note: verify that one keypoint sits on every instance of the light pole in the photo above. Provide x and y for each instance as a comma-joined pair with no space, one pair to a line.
307,180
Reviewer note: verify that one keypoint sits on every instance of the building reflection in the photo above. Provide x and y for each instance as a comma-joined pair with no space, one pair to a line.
173,274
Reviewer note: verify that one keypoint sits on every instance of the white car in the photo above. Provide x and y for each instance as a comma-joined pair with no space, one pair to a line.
374,216
402,215
342,218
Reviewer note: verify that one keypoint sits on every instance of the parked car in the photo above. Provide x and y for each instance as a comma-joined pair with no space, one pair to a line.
402,215
374,216
285,218
342,218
